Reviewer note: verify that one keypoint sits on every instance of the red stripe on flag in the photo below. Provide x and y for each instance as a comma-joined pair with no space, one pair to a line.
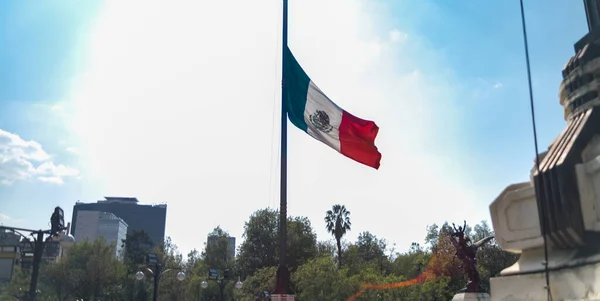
357,140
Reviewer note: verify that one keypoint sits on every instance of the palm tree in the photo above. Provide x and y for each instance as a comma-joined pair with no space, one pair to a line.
338,223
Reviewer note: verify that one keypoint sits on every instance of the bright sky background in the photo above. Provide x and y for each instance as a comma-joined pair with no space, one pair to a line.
178,102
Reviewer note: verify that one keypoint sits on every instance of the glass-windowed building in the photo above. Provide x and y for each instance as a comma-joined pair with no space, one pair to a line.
94,224
113,229
139,217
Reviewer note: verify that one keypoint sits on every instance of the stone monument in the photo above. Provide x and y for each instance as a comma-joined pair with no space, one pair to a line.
466,252
561,202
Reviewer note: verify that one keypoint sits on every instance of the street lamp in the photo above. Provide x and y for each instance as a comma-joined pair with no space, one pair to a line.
180,276
157,273
139,275
221,281
66,241
57,223
419,268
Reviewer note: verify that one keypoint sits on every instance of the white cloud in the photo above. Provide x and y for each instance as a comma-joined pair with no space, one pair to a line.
177,105
4,218
397,36
57,108
497,85
11,144
21,160
73,150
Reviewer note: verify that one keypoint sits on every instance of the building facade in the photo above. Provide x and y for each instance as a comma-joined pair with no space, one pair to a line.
113,229
94,224
213,240
10,254
148,218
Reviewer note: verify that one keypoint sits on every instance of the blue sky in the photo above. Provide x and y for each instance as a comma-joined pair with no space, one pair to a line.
42,54
124,99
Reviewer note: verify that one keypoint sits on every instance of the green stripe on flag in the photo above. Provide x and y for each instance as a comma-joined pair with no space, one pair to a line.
296,88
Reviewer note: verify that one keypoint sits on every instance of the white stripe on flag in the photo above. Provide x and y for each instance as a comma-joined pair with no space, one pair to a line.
320,109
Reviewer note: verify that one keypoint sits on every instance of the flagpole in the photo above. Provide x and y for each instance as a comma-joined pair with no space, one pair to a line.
283,275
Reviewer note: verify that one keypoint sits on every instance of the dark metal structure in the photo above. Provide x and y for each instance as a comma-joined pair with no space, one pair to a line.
57,225
157,270
282,284
466,251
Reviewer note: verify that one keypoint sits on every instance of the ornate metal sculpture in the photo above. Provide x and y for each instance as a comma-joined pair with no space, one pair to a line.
466,251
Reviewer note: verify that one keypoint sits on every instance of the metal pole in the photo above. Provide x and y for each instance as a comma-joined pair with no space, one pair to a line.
156,278
283,274
541,202
221,289
37,258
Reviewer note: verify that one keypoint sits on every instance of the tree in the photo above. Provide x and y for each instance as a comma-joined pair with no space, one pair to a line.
302,242
94,271
443,265
338,223
216,256
169,257
193,258
412,263
17,288
260,248
57,279
326,248
216,250
491,259
319,279
263,280
136,246
372,248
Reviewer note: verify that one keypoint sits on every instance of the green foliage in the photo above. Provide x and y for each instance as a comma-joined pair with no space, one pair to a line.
255,286
92,271
172,262
320,279
337,222
17,288
135,247
215,254
260,247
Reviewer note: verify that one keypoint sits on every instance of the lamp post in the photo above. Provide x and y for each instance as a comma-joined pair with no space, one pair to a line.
157,273
56,232
419,268
221,281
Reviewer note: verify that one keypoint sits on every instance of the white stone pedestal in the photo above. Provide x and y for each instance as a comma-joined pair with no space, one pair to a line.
574,270
570,283
472,297
282,297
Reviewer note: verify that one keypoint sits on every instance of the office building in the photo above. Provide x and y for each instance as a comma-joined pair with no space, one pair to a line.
212,240
94,224
10,254
148,218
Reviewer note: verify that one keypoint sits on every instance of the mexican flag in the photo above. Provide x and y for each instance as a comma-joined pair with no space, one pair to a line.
313,112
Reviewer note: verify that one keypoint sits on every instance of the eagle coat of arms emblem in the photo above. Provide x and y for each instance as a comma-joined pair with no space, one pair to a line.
321,120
